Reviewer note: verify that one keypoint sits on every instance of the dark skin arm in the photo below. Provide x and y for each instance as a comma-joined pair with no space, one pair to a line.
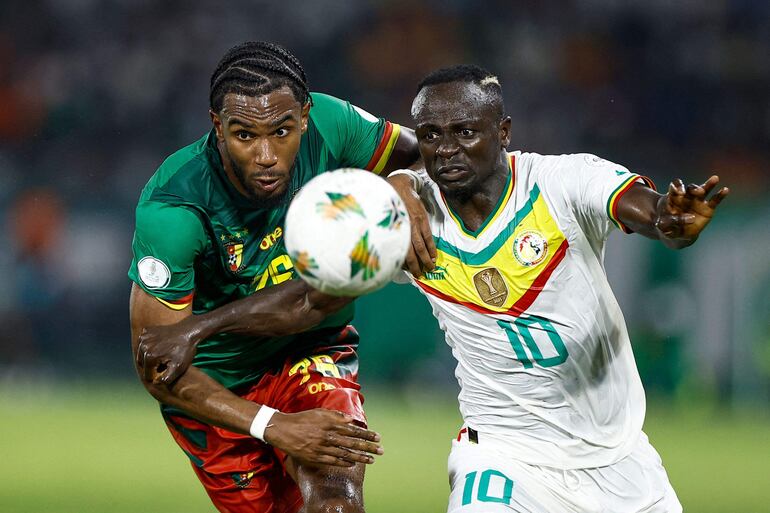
422,253
313,437
165,352
676,218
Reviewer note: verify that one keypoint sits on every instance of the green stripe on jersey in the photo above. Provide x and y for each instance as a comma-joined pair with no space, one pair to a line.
485,254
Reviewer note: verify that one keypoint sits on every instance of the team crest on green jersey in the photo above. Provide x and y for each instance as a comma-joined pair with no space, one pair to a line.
394,216
234,256
233,246
362,258
339,206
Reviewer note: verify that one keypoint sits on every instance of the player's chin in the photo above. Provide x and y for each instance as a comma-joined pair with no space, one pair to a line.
456,187
270,196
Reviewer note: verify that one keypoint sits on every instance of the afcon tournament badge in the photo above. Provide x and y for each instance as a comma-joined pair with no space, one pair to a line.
153,272
491,286
530,248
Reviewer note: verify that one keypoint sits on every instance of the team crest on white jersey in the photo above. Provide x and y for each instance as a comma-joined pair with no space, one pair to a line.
530,248
491,286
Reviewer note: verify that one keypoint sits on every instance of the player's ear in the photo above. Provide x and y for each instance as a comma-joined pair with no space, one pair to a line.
505,131
304,116
217,121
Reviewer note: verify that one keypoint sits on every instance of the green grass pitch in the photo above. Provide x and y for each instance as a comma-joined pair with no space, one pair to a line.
104,449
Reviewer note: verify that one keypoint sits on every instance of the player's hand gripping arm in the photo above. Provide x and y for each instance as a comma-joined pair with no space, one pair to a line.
165,350
408,183
676,218
315,436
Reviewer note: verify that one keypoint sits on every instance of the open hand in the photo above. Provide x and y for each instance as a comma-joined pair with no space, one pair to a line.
322,437
684,212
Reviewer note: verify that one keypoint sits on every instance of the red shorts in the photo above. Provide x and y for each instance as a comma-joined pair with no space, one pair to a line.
242,474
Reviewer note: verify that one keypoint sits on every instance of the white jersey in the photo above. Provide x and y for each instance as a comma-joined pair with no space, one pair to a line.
544,360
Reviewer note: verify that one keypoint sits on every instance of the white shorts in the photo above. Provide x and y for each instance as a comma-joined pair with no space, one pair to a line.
483,480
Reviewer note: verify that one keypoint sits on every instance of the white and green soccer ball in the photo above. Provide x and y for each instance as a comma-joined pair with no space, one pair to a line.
347,232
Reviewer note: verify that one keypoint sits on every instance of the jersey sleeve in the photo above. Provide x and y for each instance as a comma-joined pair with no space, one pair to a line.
595,186
166,242
355,137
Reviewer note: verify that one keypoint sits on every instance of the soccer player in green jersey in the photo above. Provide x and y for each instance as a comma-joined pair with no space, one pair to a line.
269,413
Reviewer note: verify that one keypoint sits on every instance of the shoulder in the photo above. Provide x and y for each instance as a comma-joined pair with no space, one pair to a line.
158,219
181,176
560,166
326,104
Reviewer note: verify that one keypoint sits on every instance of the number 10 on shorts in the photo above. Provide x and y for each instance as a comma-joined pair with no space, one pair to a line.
493,486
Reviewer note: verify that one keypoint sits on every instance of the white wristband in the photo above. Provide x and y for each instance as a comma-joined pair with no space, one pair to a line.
261,419
417,180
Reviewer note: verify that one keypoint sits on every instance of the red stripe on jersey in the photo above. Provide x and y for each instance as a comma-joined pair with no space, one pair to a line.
182,300
524,302
536,288
615,200
380,147
441,295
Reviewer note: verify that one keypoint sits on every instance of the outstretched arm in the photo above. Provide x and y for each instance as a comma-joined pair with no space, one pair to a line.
316,436
676,218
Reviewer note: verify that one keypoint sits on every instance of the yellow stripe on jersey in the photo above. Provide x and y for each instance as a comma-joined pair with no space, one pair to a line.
612,202
174,306
507,275
390,143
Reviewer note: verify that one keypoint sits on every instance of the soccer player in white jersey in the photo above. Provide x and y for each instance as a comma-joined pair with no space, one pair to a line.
550,395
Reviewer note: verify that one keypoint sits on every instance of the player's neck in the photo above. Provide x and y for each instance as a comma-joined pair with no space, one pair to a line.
475,207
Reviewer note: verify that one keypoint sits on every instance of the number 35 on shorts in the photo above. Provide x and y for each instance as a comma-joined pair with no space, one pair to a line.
322,364
487,486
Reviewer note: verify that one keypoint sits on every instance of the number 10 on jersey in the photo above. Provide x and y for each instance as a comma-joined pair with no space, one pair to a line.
519,333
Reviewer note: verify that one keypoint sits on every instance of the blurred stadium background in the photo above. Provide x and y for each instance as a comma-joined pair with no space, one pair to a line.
95,93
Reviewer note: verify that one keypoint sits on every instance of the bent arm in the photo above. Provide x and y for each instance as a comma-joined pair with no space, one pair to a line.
284,309
167,349
194,392
315,436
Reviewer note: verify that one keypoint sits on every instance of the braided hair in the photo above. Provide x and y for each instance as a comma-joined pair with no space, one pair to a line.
256,68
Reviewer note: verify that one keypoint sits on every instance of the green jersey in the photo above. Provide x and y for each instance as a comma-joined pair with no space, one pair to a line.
199,241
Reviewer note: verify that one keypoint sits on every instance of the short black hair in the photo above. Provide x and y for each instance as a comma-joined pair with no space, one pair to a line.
469,73
255,68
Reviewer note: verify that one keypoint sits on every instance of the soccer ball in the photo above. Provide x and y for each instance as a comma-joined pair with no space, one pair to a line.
347,232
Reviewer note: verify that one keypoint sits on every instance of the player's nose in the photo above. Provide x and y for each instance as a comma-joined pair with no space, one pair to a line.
447,148
265,155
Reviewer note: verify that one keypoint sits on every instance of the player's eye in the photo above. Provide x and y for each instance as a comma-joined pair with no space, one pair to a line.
430,136
243,135
467,132
282,132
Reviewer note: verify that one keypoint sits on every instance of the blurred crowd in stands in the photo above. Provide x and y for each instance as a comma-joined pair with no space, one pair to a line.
95,93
